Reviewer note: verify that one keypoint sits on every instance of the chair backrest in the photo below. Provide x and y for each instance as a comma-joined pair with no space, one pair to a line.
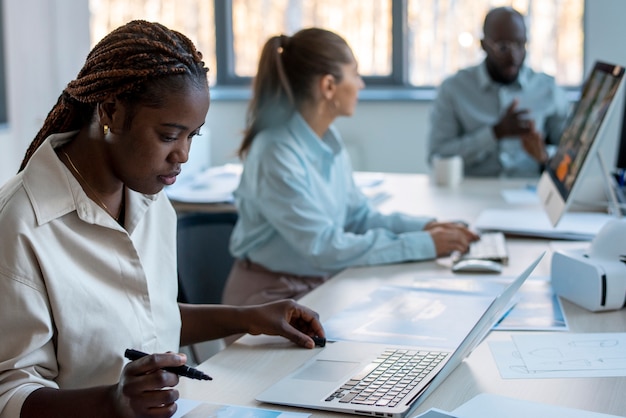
204,260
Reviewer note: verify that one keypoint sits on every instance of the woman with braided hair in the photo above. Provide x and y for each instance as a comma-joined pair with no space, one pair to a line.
301,217
88,253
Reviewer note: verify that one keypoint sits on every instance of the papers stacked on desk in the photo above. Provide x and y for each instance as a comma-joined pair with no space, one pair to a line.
581,226
213,185
217,185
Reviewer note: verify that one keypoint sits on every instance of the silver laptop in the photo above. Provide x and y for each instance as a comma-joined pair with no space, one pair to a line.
377,379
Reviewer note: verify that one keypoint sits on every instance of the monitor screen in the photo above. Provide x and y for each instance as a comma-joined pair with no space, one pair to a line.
579,141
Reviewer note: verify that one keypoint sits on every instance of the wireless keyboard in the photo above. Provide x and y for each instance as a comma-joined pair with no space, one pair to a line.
491,246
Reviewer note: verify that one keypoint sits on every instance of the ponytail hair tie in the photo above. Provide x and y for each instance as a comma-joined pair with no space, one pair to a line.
283,42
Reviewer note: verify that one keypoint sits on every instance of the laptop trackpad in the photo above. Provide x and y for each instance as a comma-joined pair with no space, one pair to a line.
326,370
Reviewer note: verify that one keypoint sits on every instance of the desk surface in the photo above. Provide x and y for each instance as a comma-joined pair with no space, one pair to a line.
251,364
416,194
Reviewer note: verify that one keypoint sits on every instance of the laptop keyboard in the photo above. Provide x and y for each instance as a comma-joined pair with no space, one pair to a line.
490,246
389,378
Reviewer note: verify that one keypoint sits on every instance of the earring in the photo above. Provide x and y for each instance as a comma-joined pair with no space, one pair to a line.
105,129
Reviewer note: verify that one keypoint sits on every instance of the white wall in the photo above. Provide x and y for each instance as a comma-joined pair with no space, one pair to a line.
46,53
380,136
605,32
46,43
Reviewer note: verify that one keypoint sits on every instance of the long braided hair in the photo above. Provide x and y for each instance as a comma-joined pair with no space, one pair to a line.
134,63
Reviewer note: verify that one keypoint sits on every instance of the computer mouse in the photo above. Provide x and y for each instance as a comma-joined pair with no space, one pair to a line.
473,265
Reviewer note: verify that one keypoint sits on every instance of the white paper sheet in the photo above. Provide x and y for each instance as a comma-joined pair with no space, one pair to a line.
526,196
538,309
561,355
493,406
435,413
511,365
573,351
214,185
188,408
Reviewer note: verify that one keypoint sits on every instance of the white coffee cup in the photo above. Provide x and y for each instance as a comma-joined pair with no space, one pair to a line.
447,170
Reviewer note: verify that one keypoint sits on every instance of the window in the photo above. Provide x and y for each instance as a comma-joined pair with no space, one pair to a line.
3,91
444,35
194,18
366,25
401,43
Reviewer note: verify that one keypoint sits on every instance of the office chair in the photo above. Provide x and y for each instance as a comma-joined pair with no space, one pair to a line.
204,263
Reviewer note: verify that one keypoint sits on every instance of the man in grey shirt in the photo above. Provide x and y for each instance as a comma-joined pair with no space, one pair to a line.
499,115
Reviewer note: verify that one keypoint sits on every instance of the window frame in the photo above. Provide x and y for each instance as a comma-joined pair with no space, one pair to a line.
224,49
4,117
395,86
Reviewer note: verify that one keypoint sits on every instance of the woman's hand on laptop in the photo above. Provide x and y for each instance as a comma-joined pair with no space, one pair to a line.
287,318
450,237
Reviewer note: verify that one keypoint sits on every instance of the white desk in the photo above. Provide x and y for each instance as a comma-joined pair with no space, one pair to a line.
245,368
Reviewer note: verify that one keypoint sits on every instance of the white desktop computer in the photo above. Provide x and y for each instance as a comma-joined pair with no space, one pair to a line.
594,277
576,156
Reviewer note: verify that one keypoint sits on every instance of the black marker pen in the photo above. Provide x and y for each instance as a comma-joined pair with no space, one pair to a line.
180,370
319,341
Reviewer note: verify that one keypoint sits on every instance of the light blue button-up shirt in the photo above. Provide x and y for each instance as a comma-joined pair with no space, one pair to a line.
469,104
300,211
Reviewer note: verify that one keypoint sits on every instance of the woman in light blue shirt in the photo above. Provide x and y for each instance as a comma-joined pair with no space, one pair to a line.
301,216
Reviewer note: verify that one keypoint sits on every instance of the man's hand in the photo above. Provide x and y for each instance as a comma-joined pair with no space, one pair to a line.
534,145
514,122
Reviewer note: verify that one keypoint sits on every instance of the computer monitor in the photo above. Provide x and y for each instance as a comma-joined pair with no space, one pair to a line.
620,163
578,146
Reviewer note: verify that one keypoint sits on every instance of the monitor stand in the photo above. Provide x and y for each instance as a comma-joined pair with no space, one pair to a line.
613,190
600,191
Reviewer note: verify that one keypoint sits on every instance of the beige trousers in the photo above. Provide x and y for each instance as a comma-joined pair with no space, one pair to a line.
249,284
